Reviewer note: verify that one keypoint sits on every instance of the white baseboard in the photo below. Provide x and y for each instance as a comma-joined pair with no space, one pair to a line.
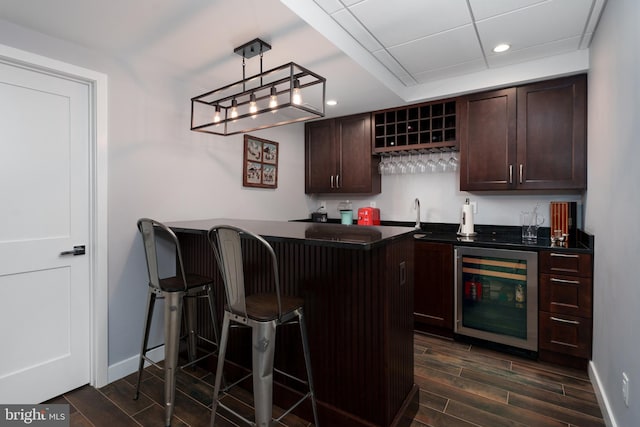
603,401
130,365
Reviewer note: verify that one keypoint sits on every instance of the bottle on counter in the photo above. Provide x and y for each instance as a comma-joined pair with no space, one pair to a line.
520,295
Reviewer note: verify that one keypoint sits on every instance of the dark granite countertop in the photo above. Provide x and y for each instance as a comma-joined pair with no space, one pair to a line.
493,236
505,237
328,234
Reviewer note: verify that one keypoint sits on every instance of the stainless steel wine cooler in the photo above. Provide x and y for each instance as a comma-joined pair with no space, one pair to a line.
496,296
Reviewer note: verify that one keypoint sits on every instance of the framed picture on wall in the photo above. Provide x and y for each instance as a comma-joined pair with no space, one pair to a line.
260,163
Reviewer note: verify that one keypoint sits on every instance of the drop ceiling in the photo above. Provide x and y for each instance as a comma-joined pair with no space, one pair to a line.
410,44
374,53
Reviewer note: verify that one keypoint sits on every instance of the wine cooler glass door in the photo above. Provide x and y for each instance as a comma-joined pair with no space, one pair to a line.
497,296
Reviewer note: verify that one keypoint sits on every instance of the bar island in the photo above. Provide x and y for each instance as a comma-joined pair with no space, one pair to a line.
357,284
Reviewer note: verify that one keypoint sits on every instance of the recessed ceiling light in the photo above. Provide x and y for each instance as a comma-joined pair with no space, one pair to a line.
502,47
332,102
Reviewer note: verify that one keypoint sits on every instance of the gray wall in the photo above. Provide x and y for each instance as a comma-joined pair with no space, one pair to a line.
612,203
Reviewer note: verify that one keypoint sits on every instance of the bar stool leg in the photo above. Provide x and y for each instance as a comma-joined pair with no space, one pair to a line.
190,309
307,362
214,317
151,299
263,337
219,369
172,316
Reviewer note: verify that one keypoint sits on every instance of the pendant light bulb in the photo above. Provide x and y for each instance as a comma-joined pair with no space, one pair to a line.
273,99
216,116
253,107
296,98
234,108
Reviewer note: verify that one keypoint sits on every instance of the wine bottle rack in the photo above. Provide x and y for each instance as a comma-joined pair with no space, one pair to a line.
416,127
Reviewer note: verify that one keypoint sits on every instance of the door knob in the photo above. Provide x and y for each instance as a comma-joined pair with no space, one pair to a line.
77,250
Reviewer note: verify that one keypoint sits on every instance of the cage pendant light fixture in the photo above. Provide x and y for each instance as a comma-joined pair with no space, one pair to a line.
285,94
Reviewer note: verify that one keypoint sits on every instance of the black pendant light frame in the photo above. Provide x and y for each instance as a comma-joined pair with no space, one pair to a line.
282,81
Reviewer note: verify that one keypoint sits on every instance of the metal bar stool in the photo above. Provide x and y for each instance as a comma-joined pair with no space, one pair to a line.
175,290
263,313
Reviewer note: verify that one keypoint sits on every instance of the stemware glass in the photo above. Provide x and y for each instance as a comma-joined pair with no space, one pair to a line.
453,162
382,165
402,165
442,162
421,165
431,163
392,166
412,165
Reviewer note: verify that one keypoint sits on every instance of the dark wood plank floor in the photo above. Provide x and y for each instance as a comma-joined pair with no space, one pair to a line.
460,385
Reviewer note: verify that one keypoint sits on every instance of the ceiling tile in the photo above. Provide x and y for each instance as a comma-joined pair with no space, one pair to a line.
439,51
401,21
483,9
523,28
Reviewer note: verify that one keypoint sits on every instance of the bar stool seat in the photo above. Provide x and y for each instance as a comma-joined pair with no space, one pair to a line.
263,312
263,307
179,291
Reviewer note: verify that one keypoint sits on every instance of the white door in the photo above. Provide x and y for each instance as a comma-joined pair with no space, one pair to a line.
44,210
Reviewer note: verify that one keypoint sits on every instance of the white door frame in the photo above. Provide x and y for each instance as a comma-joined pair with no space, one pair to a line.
98,173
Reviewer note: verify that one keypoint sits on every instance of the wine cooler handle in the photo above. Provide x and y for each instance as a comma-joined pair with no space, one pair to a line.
456,291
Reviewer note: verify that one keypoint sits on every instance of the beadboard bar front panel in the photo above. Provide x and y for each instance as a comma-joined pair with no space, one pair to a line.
359,311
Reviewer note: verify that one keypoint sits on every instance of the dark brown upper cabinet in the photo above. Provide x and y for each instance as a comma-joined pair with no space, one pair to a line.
532,137
338,156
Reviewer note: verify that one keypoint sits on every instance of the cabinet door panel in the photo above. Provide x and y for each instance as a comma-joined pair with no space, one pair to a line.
320,159
551,134
433,285
338,156
487,140
354,148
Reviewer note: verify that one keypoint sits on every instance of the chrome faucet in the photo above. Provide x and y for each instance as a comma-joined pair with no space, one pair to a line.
416,206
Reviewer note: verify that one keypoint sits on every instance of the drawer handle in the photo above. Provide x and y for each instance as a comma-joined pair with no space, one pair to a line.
565,255
571,322
572,282
510,174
